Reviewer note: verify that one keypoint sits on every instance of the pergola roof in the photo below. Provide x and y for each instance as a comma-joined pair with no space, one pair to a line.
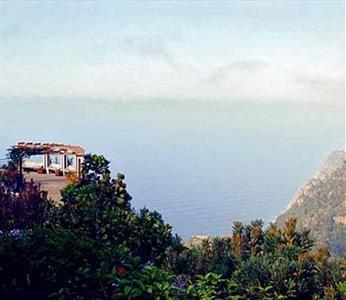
50,148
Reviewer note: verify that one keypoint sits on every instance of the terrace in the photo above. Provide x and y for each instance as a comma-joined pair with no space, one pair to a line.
60,159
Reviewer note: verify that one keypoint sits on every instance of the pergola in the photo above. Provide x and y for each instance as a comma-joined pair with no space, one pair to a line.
70,157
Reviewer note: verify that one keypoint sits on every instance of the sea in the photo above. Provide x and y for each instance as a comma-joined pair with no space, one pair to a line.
201,164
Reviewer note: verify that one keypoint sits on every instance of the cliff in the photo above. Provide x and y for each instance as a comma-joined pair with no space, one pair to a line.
320,204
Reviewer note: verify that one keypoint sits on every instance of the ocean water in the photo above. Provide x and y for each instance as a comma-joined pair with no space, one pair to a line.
201,165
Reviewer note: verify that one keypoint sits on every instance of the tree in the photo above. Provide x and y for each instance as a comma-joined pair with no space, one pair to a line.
84,248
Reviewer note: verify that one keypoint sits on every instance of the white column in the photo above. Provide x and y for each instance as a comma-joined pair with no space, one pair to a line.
62,163
46,158
44,161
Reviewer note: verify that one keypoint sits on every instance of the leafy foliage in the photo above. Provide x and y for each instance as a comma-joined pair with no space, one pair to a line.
11,180
22,205
96,246
254,263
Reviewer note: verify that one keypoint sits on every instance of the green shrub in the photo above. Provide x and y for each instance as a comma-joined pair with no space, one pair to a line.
148,283
208,287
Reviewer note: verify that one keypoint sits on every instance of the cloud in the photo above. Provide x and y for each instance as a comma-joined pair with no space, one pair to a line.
151,47
270,81
147,47
318,82
221,73
326,87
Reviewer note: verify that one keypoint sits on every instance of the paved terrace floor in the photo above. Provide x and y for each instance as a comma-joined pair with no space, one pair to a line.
49,182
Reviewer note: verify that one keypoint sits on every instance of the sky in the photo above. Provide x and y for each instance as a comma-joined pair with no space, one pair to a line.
261,51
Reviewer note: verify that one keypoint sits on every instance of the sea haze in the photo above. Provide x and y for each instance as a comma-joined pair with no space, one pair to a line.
201,165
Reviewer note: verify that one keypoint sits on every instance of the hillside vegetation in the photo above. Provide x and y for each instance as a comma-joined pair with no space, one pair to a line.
320,205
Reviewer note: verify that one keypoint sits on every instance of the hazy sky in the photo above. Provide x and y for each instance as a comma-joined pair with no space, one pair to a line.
259,50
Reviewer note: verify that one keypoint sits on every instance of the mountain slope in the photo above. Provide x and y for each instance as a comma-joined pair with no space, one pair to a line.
320,204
